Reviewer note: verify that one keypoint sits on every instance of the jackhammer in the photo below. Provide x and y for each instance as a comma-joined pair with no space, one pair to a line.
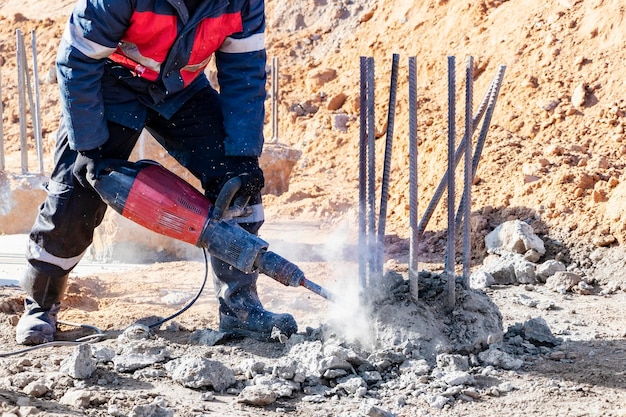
154,197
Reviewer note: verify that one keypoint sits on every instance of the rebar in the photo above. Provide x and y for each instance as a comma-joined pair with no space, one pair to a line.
450,250
31,103
482,136
36,109
413,177
494,90
384,194
275,99
430,209
467,190
362,172
2,165
21,72
371,167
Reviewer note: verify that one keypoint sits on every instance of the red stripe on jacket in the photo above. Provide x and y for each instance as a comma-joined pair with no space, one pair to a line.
210,35
154,34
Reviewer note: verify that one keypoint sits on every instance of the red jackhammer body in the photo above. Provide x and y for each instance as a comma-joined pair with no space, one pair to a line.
150,195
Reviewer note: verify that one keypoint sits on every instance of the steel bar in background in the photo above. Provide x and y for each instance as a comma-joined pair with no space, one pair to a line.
362,172
384,194
482,136
450,249
21,82
494,90
371,169
486,99
275,99
29,95
36,110
413,177
2,166
430,209
467,190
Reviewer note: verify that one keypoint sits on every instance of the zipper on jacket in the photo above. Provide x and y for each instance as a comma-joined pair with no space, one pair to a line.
186,17
202,12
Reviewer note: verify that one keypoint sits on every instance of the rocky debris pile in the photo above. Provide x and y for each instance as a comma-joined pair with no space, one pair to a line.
420,355
514,254
519,257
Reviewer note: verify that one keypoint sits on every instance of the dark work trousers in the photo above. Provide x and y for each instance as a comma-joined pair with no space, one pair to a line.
64,227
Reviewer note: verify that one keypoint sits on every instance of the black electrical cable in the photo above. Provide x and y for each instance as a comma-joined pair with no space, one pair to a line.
99,335
193,300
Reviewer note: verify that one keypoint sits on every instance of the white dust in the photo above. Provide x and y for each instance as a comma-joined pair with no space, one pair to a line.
349,317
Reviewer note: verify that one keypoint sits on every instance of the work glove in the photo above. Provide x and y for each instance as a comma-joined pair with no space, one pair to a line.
86,168
249,172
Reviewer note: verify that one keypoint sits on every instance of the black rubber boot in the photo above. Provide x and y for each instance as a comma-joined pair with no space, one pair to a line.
241,311
38,323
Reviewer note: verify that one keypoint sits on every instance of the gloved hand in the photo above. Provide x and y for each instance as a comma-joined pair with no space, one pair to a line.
248,170
86,166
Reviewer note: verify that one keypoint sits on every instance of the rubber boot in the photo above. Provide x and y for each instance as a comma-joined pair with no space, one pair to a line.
241,311
38,323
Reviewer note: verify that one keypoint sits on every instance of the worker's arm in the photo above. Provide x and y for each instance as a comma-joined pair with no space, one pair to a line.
241,75
91,34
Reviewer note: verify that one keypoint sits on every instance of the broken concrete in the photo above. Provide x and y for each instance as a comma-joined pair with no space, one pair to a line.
515,236
80,364
196,372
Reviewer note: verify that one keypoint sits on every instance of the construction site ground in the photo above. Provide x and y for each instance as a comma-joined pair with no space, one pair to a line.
554,158
585,376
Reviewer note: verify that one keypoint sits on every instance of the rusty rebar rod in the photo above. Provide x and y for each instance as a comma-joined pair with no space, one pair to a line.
467,190
413,177
430,209
2,163
450,249
363,249
371,169
31,103
494,91
362,172
35,104
482,136
21,82
384,193
275,99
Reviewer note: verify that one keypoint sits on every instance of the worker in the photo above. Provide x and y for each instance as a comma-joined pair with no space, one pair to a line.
125,66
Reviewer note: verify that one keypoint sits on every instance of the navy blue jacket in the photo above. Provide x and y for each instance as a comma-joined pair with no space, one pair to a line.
117,58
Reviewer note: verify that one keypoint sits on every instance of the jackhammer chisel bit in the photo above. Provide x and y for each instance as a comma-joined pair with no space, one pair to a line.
287,273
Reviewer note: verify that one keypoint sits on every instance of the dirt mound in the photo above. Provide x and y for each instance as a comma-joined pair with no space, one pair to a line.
556,140
555,146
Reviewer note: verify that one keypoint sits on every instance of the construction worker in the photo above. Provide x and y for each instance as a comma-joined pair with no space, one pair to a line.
124,66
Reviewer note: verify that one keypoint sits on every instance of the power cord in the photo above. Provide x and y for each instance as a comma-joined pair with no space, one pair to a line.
99,335
193,300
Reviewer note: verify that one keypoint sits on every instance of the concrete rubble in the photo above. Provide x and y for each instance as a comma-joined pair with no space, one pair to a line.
515,250
436,358
437,362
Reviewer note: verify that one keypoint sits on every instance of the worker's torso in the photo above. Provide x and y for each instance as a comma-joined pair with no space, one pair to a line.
164,42
161,58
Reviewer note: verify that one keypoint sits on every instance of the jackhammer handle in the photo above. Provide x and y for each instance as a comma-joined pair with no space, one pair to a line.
225,197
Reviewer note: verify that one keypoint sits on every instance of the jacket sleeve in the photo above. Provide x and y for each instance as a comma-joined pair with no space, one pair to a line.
241,75
92,33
